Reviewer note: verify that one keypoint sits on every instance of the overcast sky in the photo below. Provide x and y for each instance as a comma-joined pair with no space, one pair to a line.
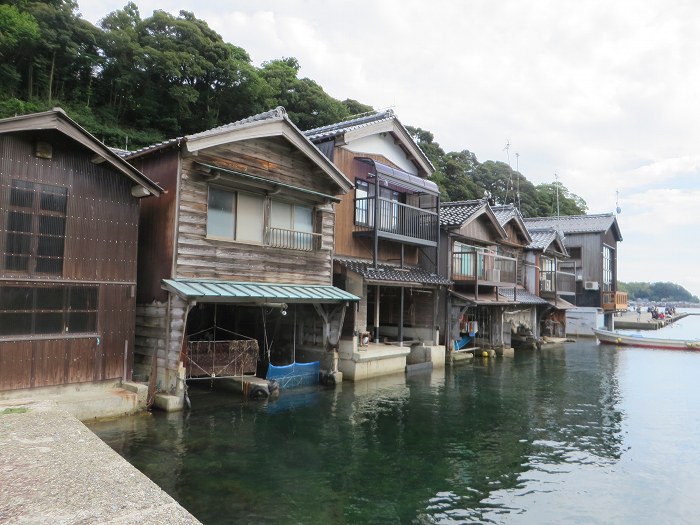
604,94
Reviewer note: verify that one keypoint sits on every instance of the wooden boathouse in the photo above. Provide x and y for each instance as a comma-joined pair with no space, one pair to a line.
387,237
68,246
235,260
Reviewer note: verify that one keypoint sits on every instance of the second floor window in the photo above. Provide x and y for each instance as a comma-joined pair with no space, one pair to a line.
240,216
235,215
607,267
36,227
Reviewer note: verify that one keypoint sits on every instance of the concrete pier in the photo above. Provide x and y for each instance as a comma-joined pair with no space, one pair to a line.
54,470
628,321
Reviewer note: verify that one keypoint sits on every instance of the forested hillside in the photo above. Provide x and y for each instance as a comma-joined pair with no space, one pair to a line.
657,292
134,81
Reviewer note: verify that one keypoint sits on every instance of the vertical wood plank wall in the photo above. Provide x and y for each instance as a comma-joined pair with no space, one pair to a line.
100,249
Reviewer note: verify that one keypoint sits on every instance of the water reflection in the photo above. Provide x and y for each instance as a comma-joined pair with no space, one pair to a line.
469,444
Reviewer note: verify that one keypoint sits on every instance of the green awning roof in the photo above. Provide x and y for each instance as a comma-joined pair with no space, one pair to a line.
210,291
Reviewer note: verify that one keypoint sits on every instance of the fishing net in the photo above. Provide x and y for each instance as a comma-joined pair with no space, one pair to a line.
294,375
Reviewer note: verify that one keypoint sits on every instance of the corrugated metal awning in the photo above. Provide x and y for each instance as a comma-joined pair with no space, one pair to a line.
210,291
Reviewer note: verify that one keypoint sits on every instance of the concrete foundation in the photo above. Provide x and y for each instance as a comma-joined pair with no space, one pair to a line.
374,361
85,401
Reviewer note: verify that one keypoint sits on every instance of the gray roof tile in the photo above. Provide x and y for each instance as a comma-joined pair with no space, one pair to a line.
573,223
278,113
392,273
455,213
333,130
522,296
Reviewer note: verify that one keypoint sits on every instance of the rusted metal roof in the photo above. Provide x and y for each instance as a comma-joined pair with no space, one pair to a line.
210,291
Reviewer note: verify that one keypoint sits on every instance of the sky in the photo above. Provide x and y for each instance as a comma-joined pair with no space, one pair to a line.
603,96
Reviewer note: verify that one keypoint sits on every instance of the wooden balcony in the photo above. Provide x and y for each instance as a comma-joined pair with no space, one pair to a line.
614,301
395,221
479,267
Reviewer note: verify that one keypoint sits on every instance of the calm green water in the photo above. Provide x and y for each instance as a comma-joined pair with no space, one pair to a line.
579,434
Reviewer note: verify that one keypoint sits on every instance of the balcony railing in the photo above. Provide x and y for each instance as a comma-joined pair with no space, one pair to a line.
396,220
557,282
614,301
477,265
292,239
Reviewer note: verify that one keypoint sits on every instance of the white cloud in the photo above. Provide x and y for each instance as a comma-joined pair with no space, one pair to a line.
603,93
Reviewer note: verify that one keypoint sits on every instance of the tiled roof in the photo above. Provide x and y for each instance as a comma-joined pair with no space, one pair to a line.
334,130
541,239
522,296
392,273
278,113
455,213
573,223
504,213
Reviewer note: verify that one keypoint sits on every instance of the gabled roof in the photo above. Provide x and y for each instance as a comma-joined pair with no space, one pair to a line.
456,214
371,124
274,123
508,212
58,120
571,224
390,273
547,239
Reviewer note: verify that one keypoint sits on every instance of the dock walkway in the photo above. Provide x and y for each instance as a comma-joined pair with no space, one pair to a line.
54,470
628,321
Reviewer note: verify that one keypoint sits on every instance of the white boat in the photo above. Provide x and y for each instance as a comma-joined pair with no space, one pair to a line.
616,338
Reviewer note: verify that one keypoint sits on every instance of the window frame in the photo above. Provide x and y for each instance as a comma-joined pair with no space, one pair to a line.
39,307
267,203
39,232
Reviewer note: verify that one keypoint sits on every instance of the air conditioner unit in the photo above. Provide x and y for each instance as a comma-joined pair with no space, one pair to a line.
547,286
493,275
591,285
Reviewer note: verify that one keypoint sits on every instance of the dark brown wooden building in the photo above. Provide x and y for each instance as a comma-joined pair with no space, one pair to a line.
387,237
591,241
69,213
237,253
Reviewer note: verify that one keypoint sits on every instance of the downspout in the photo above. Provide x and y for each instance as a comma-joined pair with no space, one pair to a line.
376,220
401,302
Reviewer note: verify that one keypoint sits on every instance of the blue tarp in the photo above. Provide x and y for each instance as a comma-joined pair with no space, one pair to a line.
296,374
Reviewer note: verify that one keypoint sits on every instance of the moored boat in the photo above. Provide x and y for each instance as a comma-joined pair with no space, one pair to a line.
616,338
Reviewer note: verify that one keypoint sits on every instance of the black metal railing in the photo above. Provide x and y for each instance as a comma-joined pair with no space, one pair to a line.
396,218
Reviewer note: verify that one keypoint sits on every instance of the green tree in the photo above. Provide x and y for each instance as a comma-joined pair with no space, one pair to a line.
307,104
553,197
19,31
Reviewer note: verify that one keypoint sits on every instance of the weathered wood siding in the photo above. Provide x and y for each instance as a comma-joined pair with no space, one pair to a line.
99,251
201,257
